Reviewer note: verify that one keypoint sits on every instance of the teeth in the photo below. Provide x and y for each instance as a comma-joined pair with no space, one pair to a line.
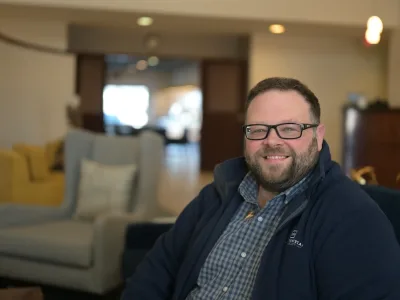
276,157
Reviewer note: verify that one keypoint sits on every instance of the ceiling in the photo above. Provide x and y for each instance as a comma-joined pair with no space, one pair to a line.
178,24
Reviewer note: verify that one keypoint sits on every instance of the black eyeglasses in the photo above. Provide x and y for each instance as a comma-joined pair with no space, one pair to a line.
286,131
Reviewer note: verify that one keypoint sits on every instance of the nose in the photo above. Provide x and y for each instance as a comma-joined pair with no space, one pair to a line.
272,139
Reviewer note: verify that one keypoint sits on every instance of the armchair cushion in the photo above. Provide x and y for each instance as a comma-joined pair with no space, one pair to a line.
104,188
64,242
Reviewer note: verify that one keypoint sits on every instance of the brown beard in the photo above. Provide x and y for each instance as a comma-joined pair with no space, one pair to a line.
302,163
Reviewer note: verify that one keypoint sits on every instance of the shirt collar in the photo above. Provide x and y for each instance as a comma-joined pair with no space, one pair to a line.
248,188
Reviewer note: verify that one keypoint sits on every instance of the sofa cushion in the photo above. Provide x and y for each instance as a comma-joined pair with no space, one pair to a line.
37,160
104,188
62,242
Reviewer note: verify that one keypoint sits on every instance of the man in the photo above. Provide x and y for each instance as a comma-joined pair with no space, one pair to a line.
282,223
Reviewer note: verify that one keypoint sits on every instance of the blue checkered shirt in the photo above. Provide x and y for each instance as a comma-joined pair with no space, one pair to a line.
230,269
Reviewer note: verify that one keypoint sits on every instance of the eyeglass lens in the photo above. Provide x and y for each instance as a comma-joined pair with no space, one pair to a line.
288,131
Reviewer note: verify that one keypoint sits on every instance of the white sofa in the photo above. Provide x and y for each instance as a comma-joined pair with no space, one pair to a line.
47,245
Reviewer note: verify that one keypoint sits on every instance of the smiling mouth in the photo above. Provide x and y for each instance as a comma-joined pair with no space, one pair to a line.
275,157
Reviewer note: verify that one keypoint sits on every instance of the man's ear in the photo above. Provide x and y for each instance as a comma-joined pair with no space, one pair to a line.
320,132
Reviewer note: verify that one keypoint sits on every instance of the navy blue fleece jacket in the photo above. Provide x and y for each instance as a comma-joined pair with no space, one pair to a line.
333,243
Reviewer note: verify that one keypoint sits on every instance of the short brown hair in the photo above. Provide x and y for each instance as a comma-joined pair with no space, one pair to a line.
287,84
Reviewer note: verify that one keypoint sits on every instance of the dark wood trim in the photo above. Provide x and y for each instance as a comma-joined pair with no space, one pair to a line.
93,122
212,148
90,81
245,84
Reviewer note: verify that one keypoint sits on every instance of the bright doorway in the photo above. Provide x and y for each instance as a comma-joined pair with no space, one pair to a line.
126,105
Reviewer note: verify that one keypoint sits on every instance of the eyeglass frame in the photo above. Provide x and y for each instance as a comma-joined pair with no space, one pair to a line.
303,126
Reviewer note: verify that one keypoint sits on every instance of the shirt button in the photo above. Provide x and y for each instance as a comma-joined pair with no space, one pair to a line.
225,289
260,219
243,254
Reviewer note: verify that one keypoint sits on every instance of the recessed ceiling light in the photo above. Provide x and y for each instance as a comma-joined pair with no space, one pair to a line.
144,21
151,42
372,37
375,23
277,28
141,65
153,61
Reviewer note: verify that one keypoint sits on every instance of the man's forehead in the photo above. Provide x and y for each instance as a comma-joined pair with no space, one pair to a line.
277,106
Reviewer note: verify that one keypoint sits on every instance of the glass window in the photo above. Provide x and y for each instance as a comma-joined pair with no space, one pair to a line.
126,105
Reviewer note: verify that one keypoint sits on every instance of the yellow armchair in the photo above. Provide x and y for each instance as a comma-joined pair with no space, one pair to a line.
359,175
27,177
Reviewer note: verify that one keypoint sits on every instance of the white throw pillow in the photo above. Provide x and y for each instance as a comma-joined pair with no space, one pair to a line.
104,189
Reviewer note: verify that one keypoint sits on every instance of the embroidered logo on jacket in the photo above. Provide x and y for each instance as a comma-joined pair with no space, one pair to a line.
293,241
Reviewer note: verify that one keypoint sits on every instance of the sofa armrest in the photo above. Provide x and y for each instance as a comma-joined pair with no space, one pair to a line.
21,215
108,245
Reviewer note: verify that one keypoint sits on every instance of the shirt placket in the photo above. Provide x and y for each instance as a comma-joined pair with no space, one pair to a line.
246,252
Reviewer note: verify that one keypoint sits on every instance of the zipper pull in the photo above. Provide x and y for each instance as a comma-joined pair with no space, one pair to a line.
250,215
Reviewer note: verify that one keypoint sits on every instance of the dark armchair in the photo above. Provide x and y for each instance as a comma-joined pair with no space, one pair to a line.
389,202
139,239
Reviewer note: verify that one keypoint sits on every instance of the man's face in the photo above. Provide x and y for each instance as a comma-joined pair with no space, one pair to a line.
276,163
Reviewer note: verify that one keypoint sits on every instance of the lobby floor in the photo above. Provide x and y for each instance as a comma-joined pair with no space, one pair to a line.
181,180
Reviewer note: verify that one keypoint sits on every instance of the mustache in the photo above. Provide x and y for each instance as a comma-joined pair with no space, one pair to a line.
273,151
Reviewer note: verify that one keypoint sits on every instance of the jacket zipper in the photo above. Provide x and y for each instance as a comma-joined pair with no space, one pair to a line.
298,210
294,214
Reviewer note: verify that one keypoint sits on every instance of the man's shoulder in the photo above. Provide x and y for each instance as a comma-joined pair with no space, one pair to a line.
340,196
343,207
207,199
